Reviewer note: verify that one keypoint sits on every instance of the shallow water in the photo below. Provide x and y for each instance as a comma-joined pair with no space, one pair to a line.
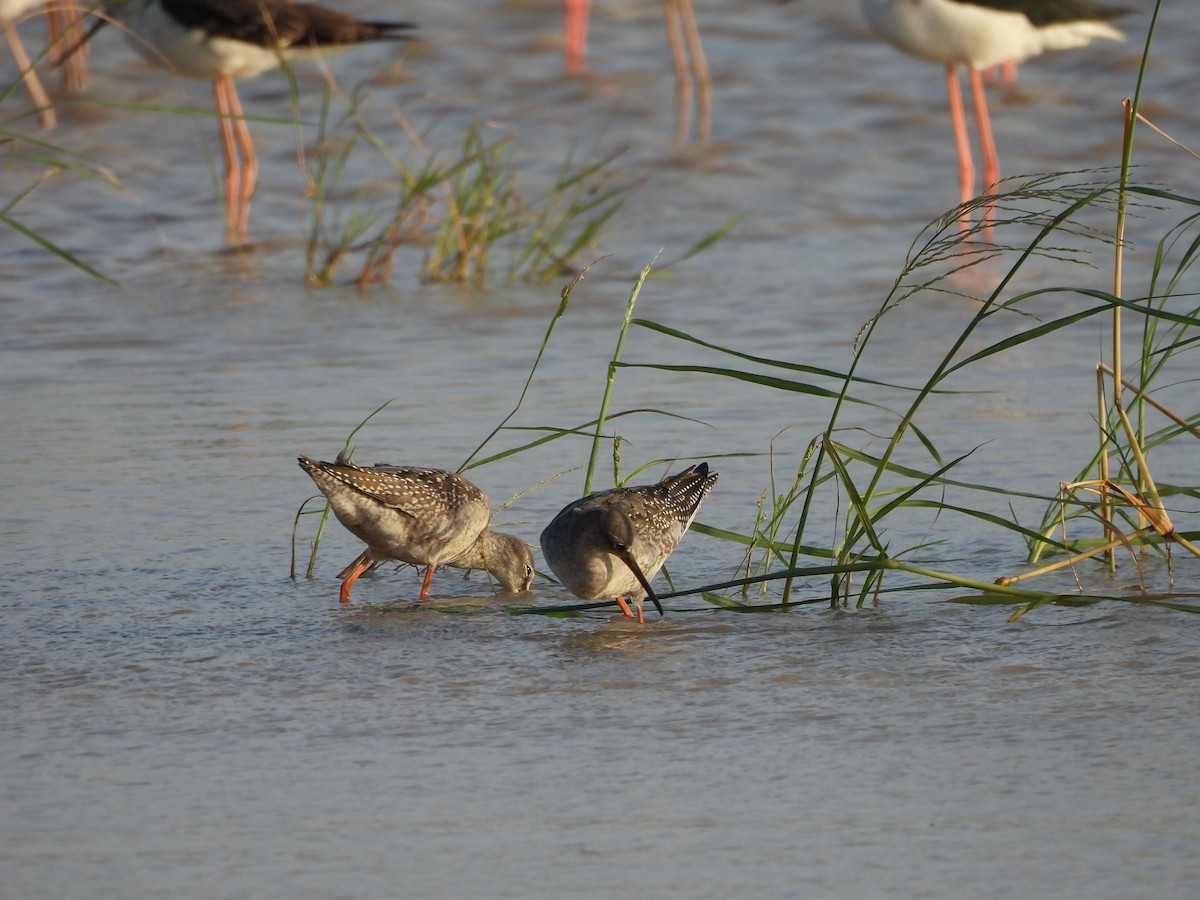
183,719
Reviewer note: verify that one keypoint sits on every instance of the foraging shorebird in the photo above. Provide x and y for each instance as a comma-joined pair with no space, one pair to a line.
979,34
687,53
426,517
612,543
220,40
62,28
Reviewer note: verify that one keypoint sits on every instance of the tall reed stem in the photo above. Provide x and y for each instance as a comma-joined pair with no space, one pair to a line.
612,373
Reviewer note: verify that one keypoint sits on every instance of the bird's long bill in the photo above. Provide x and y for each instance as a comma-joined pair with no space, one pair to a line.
626,557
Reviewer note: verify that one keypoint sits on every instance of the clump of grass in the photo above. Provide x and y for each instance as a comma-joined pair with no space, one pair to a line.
568,219
480,209
455,207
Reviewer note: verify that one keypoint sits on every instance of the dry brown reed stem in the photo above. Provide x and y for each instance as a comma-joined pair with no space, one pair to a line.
1149,510
1182,146
1177,419
1121,540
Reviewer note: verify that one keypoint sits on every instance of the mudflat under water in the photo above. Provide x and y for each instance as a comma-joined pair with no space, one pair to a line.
182,719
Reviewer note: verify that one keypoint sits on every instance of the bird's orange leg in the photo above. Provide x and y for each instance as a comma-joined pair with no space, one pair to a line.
366,554
575,27
360,566
249,163
241,162
425,586
46,115
683,72
64,31
229,152
691,68
700,66
987,143
625,610
966,166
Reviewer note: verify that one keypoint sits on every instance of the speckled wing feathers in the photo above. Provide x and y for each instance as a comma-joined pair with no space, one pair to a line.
422,516
428,517
683,493
597,546
409,489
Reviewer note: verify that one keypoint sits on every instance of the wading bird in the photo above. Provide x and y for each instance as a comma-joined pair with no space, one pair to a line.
426,517
612,543
979,34
221,40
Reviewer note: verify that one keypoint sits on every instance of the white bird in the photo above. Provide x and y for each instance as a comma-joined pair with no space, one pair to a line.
979,34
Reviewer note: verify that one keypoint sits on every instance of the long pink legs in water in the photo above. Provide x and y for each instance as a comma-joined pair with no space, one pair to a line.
64,31
241,162
687,53
958,118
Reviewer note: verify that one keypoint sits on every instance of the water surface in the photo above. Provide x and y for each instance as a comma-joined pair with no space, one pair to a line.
183,719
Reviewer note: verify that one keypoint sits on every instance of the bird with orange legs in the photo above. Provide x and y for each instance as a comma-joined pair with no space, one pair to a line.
611,544
687,53
222,40
426,517
977,35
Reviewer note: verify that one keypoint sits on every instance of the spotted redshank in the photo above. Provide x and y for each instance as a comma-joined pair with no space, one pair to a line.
612,543
426,517
979,34
62,25
220,40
